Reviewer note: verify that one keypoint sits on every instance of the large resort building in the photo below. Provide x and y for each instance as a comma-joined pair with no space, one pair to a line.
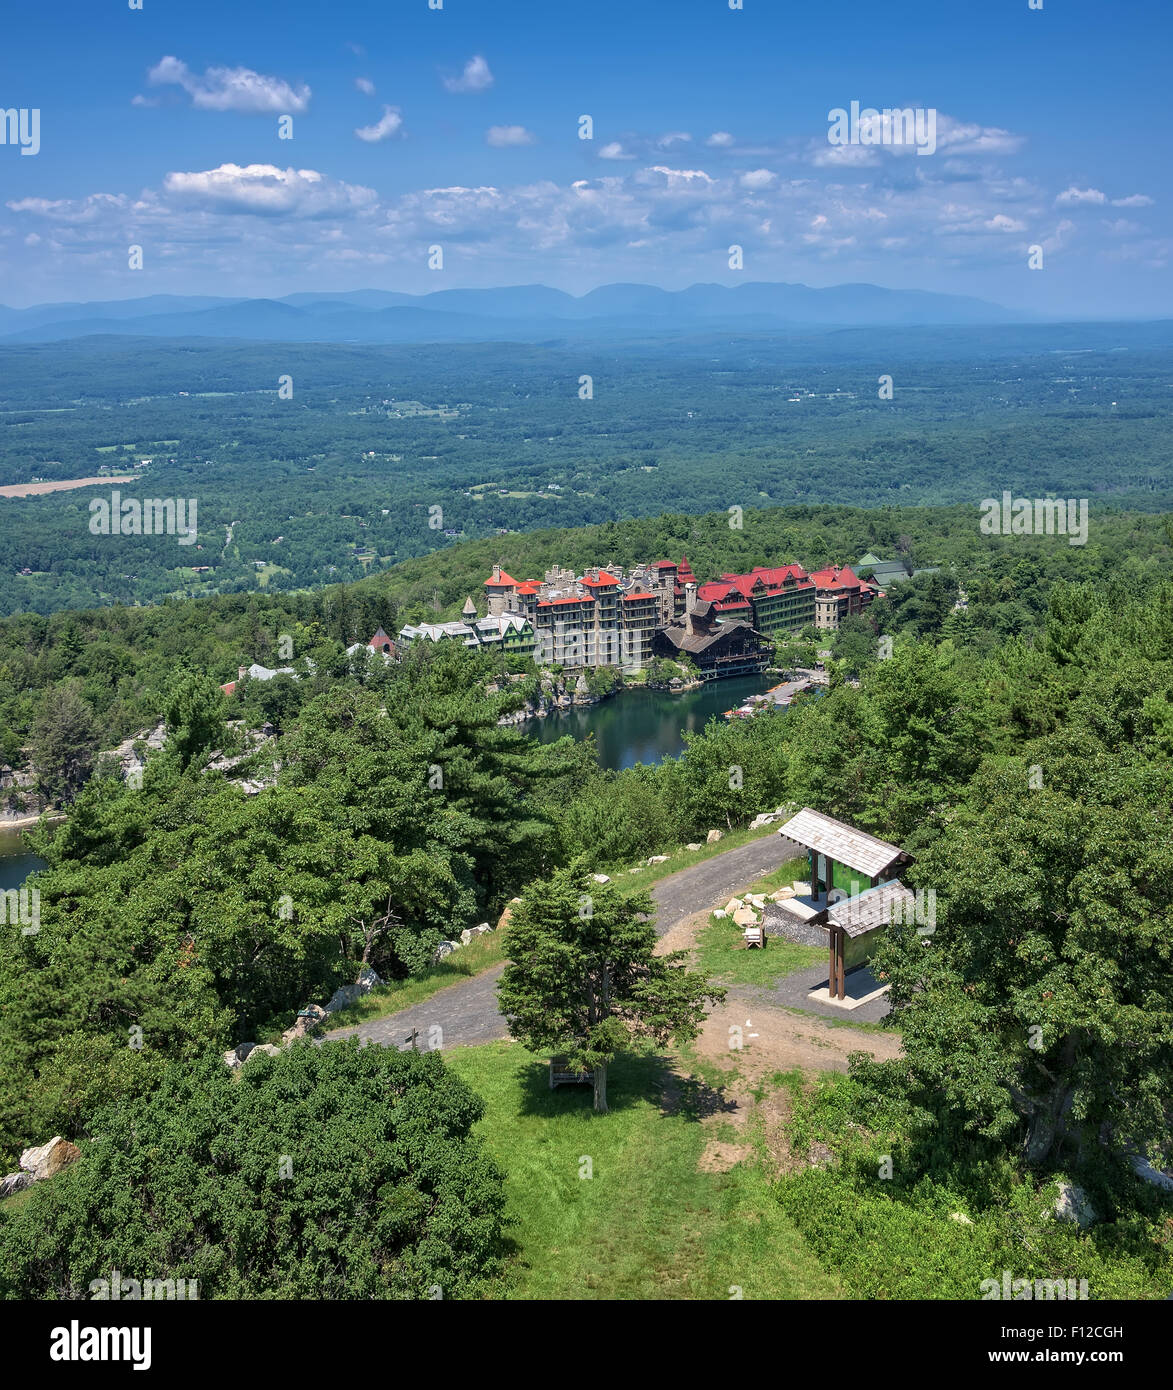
608,616
787,598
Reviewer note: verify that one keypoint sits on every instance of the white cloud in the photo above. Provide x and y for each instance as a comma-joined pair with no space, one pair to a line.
263,188
1081,195
614,151
676,175
390,123
1001,223
365,85
674,137
758,178
967,137
502,136
719,139
476,77
231,89
1134,200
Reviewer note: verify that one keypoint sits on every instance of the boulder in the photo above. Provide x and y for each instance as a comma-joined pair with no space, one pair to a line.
267,1048
15,1182
745,917
600,878
757,900
466,936
343,997
781,895
658,859
712,837
481,930
50,1158
503,920
236,1055
444,950
721,914
1147,1173
367,979
305,1023
1073,1205
960,1217
693,848
732,905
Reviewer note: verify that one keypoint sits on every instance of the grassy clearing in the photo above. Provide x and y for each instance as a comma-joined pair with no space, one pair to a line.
783,876
721,952
647,1224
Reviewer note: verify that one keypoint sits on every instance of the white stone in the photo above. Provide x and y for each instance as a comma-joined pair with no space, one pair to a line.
712,837
600,878
960,1217
1073,1205
49,1158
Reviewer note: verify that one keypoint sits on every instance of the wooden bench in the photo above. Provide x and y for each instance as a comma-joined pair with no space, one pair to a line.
562,1075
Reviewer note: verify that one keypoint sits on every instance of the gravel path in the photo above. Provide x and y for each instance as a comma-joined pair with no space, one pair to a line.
466,1012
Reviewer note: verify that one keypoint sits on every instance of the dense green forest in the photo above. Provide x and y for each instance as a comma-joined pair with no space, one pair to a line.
383,454
1037,1023
1020,748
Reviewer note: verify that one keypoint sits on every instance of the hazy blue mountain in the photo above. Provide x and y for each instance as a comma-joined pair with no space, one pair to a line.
510,313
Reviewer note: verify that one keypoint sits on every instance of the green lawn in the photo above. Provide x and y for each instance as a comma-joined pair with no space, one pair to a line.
721,952
647,1224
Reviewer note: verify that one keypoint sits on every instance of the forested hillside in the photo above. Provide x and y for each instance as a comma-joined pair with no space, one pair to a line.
372,455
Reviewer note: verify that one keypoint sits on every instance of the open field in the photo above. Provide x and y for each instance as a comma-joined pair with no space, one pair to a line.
61,485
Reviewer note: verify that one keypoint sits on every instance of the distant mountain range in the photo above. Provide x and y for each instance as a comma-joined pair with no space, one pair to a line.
517,313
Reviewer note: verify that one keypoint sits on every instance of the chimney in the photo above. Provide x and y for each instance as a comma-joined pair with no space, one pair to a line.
689,605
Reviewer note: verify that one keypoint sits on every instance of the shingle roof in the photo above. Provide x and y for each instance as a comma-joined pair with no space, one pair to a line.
842,843
874,907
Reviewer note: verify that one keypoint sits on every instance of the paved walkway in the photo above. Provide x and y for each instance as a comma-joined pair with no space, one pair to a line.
466,1012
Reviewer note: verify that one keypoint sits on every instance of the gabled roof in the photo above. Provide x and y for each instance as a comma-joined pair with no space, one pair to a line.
842,843
874,907
603,579
529,586
627,597
498,582
836,577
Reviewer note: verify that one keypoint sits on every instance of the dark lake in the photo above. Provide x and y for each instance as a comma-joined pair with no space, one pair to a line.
16,863
645,726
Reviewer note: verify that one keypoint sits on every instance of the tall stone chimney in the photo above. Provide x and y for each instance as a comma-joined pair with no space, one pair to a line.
689,605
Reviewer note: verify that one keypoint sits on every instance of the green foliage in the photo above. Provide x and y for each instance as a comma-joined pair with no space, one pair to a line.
583,979
878,1209
337,1172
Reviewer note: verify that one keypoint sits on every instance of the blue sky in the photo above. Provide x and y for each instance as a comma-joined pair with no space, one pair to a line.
159,128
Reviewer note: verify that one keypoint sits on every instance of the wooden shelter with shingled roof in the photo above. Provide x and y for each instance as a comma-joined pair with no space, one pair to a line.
854,892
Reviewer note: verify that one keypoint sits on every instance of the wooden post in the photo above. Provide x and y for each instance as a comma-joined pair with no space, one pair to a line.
832,968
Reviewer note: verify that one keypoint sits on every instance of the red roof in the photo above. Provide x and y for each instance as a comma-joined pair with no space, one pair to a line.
529,586
550,602
626,597
836,577
496,583
664,565
230,688
603,578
